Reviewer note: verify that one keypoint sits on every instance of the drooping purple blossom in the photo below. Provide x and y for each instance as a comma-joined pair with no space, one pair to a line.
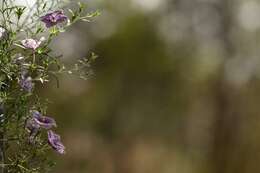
30,43
36,122
26,83
55,142
54,18
43,121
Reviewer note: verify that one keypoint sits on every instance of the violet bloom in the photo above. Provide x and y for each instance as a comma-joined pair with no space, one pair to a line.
43,121
36,122
55,142
54,18
30,43
26,83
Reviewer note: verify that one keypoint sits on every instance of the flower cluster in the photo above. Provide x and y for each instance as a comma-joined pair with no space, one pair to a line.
37,122
51,19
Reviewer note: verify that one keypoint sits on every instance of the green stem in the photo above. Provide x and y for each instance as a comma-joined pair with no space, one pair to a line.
2,139
2,151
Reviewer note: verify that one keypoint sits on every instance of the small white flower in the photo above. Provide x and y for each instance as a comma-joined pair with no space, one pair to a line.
30,43
2,32
20,58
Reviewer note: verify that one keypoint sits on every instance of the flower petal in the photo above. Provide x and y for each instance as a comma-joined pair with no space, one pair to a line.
55,142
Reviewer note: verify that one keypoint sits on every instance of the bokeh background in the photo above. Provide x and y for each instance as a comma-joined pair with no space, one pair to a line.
175,89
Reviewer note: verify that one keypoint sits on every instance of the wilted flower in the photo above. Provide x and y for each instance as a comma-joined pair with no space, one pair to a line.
43,121
30,43
54,18
26,83
55,142
31,125
33,128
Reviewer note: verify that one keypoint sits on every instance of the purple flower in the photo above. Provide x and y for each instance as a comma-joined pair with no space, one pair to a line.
43,121
30,43
26,83
54,18
36,122
55,142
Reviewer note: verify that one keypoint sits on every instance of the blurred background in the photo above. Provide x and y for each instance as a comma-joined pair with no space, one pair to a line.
176,88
